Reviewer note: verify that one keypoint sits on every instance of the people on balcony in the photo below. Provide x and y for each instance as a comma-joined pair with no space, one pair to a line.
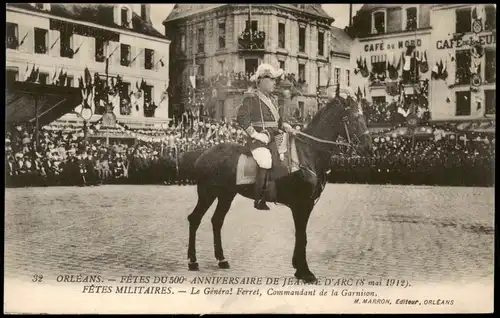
252,40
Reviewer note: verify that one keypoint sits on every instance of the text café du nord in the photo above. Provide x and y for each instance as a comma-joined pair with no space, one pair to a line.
401,44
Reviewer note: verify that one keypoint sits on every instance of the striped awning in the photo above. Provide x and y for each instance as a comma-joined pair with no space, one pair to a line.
25,100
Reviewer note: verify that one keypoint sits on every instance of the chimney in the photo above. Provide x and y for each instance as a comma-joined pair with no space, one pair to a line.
146,12
350,14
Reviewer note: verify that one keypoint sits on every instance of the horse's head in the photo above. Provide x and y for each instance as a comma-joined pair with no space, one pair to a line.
345,117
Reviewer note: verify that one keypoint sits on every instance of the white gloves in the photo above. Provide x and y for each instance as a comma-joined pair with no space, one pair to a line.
261,137
288,128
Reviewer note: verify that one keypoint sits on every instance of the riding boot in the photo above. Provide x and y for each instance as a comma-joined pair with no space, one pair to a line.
260,190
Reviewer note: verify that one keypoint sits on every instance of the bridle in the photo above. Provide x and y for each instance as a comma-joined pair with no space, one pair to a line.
345,121
349,144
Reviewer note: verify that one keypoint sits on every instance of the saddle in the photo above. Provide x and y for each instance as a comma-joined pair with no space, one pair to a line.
246,170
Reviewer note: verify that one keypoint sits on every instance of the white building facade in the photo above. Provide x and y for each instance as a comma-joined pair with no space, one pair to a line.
60,41
296,38
464,39
443,40
390,39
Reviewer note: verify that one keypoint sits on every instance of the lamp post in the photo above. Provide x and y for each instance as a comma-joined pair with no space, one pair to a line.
86,115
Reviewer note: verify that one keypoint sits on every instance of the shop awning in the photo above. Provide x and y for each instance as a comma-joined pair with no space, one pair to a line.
23,99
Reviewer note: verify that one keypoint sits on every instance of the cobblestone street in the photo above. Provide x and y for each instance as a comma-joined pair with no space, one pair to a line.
424,234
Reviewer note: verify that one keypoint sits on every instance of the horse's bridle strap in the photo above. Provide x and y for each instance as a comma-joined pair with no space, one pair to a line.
323,140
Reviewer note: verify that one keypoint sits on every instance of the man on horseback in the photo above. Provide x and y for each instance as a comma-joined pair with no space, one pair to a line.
260,118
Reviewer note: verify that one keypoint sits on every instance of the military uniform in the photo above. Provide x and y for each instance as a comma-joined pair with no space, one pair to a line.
258,113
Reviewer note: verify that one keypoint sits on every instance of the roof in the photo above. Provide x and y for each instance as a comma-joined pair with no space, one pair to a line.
53,102
341,42
101,14
185,10
313,9
372,6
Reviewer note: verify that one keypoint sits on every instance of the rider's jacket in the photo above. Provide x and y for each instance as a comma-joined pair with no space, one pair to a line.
258,113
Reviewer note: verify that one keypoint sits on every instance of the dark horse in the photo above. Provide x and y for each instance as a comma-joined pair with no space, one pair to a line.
215,174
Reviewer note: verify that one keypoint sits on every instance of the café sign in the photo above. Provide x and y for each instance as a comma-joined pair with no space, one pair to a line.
466,42
381,46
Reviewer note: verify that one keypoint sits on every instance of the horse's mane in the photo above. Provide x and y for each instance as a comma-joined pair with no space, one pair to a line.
321,116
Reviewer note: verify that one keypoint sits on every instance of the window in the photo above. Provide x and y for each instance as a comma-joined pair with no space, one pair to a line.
463,20
66,39
222,35
125,89
99,49
148,93
302,73
251,65
253,25
319,76
149,59
41,39
201,70
183,42
411,15
378,26
221,66
379,63
69,81
301,109
148,100
463,103
321,43
282,65
491,17
348,78
302,39
201,40
462,74
124,15
125,54
336,76
12,36
11,75
125,108
490,101
490,70
43,78
281,35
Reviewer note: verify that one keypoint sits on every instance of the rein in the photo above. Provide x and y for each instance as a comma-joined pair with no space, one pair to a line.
323,141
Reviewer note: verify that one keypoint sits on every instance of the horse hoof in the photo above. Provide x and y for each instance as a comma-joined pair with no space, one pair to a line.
306,277
194,266
224,264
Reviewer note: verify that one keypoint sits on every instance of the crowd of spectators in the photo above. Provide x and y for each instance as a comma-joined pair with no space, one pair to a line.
66,158
401,160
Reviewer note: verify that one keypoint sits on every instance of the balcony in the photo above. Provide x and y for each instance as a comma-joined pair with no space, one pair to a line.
252,41
289,80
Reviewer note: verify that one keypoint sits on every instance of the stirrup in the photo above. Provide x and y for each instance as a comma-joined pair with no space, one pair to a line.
261,205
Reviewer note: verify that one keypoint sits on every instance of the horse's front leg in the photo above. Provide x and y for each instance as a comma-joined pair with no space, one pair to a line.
301,213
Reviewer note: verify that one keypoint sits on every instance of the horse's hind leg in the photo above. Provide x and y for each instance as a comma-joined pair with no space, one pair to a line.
205,200
223,205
